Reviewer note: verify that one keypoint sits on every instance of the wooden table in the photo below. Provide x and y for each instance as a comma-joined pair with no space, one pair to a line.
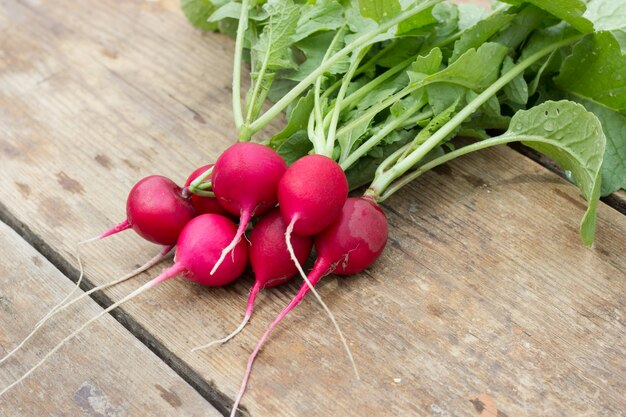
485,302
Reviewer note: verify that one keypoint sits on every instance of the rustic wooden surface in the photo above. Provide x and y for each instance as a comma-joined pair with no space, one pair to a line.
484,303
105,372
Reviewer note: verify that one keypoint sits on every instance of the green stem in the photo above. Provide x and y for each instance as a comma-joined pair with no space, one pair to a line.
241,30
319,127
332,129
381,183
206,186
281,104
257,84
350,101
318,145
195,184
377,108
204,193
366,146
483,144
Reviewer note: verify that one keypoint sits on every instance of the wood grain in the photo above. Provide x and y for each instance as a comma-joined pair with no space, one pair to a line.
106,371
484,300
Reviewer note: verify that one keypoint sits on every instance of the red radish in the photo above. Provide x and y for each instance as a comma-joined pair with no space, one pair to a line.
348,246
64,304
245,182
156,210
270,260
202,204
198,248
311,194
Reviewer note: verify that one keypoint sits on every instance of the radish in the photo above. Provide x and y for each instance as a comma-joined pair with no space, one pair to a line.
203,204
270,260
309,206
63,304
348,246
156,210
198,248
311,194
245,182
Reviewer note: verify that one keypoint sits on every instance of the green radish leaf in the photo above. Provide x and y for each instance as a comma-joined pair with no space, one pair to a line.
199,11
314,48
527,20
470,14
295,147
596,71
274,42
436,122
441,96
570,11
478,34
298,120
614,128
419,24
476,69
573,137
323,15
227,11
379,10
425,65
609,15
517,90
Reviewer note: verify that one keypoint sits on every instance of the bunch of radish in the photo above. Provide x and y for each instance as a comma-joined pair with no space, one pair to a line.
261,205
250,181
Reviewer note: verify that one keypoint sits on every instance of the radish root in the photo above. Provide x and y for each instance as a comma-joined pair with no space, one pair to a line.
167,274
63,305
319,298
256,288
246,215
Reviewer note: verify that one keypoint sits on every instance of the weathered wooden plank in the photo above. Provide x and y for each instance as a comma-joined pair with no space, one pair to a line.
484,299
104,372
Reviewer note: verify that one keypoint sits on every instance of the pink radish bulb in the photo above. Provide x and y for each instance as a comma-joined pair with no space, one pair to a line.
198,248
311,194
156,210
348,246
270,260
200,245
202,204
245,182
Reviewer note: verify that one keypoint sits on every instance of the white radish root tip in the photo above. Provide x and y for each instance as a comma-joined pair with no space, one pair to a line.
167,274
64,305
319,298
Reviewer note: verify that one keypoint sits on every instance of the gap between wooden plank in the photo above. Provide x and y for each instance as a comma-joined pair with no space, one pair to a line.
207,390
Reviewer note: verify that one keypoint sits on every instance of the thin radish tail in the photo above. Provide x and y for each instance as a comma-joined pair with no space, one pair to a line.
318,272
63,305
256,288
309,285
169,273
112,231
244,219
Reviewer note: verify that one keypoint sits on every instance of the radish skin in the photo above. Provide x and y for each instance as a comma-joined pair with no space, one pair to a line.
348,246
245,182
157,210
312,193
271,262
